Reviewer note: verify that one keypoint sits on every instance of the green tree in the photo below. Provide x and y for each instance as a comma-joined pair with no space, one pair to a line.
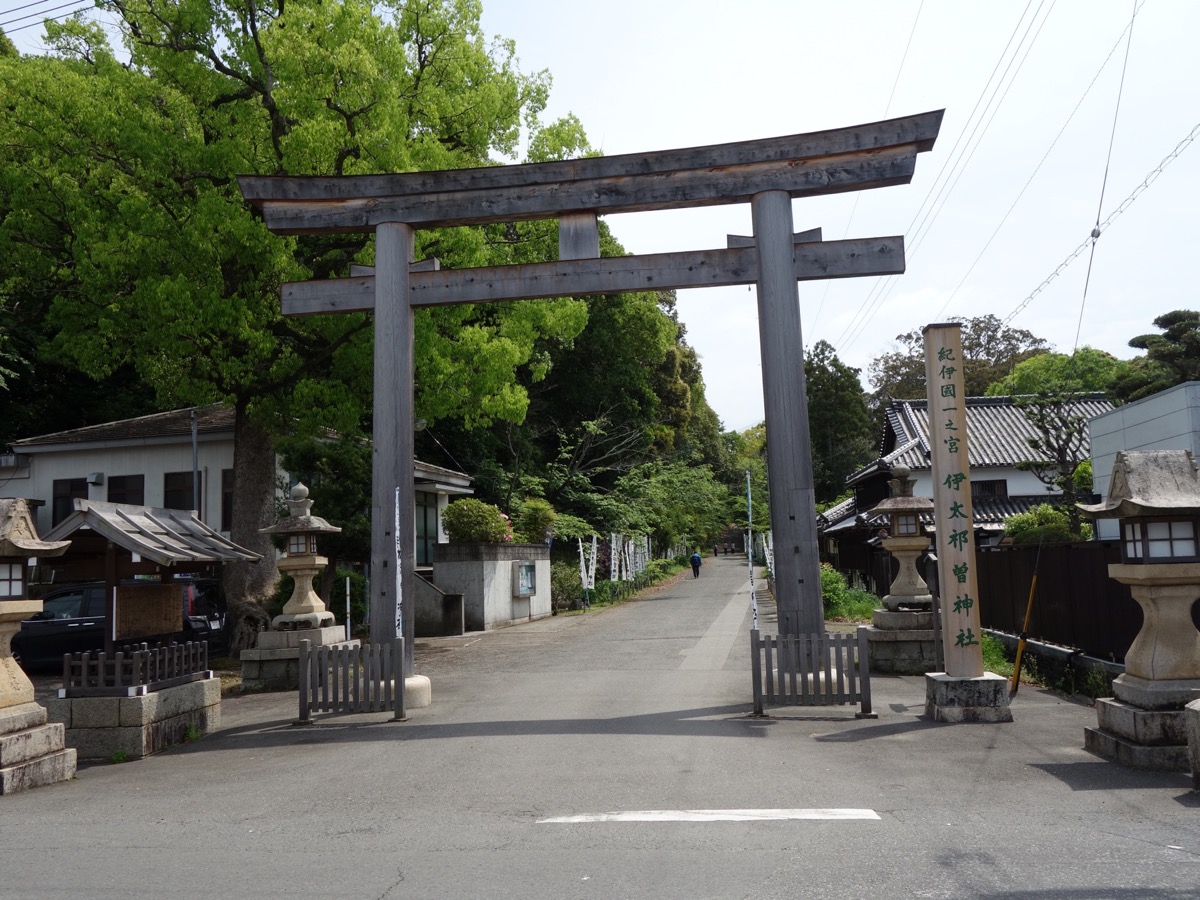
1172,357
1059,458
1084,371
126,241
991,350
842,432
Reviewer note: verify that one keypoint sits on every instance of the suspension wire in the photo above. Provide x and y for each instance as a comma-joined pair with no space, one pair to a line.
858,194
40,15
66,15
923,220
1104,181
1041,163
1125,204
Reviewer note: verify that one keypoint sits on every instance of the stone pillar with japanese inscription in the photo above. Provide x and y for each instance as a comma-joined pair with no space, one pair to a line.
964,692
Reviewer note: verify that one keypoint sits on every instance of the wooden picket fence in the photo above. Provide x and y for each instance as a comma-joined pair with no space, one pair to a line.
134,670
351,679
811,670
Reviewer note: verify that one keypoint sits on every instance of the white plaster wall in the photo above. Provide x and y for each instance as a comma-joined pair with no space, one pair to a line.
1020,484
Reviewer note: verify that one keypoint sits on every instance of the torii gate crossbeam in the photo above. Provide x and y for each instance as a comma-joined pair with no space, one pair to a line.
767,173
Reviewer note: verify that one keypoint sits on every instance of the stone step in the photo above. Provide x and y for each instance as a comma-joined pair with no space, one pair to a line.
31,743
51,769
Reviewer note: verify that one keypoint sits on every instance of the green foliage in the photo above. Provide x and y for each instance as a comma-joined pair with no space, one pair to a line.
1043,523
995,657
991,350
1172,357
1058,447
472,521
843,603
1084,371
119,756
565,585
842,431
534,520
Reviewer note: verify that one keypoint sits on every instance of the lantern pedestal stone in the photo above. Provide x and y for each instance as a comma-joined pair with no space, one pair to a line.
900,639
956,700
1144,724
33,750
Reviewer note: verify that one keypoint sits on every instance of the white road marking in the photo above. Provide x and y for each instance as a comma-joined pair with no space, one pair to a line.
713,815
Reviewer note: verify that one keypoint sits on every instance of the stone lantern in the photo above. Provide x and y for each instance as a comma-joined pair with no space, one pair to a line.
36,750
905,541
300,560
1155,496
901,638
273,663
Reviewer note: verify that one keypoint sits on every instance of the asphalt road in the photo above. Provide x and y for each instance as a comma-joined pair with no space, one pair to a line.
641,707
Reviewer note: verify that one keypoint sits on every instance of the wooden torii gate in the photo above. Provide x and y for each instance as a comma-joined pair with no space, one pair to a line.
768,174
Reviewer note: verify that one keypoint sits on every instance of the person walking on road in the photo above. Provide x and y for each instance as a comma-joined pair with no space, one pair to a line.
696,561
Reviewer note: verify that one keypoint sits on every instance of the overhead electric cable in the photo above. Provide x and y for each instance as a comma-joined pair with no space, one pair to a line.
1104,181
947,177
887,109
1038,167
65,15
1125,204
41,15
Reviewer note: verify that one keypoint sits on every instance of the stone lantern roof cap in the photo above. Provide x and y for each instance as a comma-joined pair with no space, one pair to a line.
1150,483
300,520
18,537
902,499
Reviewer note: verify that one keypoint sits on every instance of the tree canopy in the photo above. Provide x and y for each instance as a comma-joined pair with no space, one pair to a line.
1084,371
991,350
1172,357
842,432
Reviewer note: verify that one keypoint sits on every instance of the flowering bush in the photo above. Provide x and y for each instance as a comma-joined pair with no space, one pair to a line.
470,521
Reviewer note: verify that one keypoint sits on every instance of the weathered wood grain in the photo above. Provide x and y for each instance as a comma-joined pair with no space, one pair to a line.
572,278
745,240
627,193
920,130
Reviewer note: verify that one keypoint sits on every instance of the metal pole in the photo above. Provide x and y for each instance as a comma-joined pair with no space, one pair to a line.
750,551
195,464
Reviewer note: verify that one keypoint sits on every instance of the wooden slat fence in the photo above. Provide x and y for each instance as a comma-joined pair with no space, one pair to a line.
134,670
811,670
351,679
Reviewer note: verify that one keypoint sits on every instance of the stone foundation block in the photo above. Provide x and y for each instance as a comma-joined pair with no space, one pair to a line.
903,619
1148,727
320,637
1159,758
22,716
22,746
50,769
99,712
958,700
1191,718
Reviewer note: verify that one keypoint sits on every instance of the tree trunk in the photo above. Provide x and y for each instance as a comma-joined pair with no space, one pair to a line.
248,585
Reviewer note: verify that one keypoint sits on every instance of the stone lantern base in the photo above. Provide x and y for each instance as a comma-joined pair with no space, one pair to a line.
901,642
274,662
33,752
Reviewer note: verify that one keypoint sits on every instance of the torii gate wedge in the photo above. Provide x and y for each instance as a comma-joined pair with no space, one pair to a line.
768,174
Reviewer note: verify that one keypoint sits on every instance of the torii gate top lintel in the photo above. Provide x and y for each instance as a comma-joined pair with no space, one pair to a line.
823,162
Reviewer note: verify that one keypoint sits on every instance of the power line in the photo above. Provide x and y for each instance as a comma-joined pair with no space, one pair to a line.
1104,181
922,219
40,15
1125,204
1037,168
65,15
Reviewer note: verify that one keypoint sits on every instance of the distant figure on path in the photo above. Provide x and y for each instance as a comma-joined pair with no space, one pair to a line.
696,561
716,549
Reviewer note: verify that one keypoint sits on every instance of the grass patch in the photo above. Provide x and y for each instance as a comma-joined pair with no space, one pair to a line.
852,606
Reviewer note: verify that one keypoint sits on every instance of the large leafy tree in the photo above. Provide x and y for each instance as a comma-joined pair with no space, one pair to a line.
991,350
1172,357
841,431
126,242
1086,370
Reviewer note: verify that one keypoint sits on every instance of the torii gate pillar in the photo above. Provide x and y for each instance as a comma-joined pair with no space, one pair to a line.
797,574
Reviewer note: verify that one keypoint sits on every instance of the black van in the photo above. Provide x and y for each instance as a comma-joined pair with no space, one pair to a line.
72,621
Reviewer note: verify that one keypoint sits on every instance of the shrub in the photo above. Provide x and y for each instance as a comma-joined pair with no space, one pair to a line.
842,602
473,521
1042,524
534,519
565,587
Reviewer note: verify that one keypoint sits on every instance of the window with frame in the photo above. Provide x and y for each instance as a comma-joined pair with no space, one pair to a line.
989,489
127,489
12,581
177,491
65,492
1153,540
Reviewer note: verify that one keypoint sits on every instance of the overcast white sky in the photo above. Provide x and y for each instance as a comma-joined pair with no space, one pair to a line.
660,74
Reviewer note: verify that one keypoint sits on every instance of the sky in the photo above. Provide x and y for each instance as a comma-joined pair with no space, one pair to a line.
1056,114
